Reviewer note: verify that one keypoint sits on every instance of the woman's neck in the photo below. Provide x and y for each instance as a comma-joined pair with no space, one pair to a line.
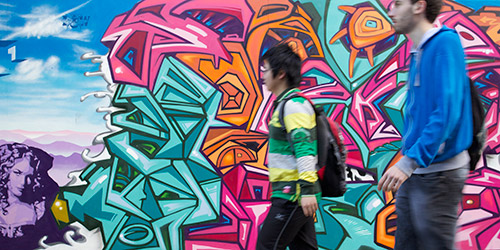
12,198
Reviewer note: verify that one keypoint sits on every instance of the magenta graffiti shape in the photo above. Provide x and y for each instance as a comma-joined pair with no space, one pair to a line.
397,62
476,42
139,39
235,227
493,130
367,119
230,19
479,219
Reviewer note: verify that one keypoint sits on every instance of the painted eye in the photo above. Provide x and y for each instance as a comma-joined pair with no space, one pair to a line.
150,149
155,10
468,38
136,235
135,117
167,195
124,175
131,53
471,201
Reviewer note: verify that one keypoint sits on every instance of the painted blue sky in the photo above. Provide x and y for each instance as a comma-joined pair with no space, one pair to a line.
42,92
41,74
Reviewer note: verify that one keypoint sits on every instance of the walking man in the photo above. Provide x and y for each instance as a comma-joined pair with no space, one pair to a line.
438,121
292,173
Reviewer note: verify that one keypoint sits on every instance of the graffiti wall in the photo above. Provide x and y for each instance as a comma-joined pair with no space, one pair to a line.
143,124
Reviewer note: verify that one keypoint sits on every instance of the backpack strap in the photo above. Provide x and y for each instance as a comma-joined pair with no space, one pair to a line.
318,110
281,114
475,150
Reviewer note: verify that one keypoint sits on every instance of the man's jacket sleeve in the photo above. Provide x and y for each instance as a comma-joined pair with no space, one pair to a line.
442,95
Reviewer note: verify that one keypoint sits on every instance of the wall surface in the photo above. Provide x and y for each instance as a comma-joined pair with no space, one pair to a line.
148,120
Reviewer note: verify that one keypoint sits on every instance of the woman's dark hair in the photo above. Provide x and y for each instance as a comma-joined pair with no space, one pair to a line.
283,58
42,187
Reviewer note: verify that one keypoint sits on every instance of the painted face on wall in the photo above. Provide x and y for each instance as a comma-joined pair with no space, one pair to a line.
401,13
156,181
20,177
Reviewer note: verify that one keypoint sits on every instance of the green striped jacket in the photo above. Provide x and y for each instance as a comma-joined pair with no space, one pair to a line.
293,174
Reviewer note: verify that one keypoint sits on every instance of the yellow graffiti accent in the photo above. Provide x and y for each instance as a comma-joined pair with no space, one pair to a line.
60,210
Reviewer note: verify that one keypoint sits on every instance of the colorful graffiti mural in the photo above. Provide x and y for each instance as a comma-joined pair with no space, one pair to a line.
181,162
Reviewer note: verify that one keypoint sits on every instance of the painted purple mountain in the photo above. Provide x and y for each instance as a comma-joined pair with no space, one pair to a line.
64,165
61,147
78,138
56,143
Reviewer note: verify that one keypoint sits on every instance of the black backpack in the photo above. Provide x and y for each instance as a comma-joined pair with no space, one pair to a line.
331,166
479,131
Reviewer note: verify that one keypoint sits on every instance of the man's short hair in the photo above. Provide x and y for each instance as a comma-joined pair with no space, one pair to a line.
282,57
433,9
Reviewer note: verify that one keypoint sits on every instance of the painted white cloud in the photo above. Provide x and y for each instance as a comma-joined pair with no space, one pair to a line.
45,21
4,18
6,5
5,15
40,93
44,108
83,65
3,70
5,27
33,70
80,50
99,84
53,116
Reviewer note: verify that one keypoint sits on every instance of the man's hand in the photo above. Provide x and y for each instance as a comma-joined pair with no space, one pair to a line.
392,179
309,205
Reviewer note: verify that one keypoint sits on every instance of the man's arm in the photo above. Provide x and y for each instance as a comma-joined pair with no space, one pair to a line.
300,123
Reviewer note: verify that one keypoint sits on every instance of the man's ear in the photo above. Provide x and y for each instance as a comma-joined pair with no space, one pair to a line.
419,7
281,74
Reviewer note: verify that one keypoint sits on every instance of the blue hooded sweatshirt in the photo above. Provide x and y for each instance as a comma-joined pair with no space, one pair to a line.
438,112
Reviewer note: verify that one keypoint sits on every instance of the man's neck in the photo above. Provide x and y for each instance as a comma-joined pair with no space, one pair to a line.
280,89
418,33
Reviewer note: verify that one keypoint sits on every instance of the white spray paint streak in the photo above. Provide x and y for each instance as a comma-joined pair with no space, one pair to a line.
104,72
92,239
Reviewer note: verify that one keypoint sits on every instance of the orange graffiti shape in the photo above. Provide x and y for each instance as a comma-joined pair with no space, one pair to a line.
236,80
291,30
269,11
386,226
449,5
226,148
365,29
490,21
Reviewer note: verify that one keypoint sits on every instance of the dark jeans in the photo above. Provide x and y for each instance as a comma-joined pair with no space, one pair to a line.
286,225
427,206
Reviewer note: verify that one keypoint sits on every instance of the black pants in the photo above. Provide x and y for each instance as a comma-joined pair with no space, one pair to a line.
286,225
